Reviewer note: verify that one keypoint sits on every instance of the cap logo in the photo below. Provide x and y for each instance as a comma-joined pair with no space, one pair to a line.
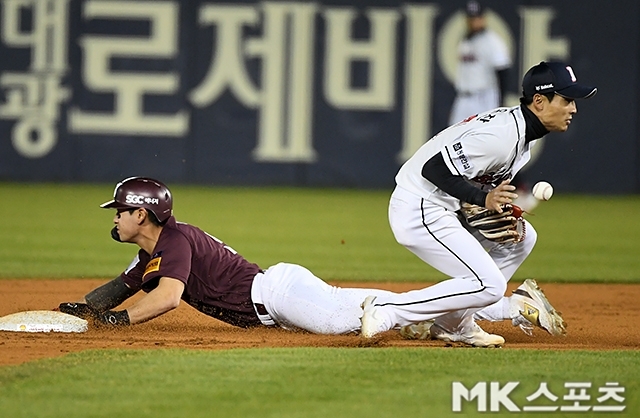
133,199
573,76
544,86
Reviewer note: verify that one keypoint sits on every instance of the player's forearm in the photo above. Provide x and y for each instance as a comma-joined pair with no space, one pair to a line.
145,310
109,295
436,171
162,299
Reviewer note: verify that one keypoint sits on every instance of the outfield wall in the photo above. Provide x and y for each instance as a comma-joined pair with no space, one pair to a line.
326,93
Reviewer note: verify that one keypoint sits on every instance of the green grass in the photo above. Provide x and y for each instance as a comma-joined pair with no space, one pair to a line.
318,382
54,230
58,230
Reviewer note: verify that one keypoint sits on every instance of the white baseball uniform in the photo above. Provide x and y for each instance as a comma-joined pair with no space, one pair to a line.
477,88
483,150
221,283
296,299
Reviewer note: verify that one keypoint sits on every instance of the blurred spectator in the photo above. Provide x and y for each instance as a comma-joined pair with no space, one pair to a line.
481,79
483,66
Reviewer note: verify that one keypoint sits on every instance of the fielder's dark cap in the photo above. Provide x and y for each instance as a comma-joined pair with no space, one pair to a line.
142,192
555,77
474,9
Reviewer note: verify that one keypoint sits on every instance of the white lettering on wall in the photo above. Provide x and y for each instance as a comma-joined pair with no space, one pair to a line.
286,51
282,89
537,43
34,97
129,88
227,68
379,51
418,86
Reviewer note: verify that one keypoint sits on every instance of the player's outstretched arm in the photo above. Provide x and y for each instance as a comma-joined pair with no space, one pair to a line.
160,300
99,300
109,295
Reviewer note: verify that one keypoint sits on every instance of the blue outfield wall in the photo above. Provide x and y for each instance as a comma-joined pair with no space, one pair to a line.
326,93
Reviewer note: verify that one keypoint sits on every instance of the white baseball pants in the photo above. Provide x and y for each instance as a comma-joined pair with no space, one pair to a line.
478,269
296,299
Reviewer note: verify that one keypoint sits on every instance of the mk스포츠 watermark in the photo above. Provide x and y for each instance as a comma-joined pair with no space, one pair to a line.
575,397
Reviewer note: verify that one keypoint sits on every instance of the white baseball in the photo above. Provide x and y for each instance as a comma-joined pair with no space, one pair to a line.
542,190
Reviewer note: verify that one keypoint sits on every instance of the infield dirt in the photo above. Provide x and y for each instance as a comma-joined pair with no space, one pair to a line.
598,316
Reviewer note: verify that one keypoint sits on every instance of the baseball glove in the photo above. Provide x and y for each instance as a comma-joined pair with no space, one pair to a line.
505,227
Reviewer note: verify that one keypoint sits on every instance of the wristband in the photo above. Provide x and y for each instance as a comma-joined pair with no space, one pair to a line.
115,318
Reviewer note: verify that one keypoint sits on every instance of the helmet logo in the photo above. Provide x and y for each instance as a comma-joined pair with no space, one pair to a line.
133,199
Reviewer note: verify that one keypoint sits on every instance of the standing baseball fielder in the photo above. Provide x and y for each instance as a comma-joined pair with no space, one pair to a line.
179,261
471,163
483,66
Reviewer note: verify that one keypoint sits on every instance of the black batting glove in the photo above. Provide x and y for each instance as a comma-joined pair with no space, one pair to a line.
81,310
113,319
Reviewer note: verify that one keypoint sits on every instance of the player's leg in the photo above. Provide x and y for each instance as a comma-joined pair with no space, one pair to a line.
296,299
527,307
437,237
508,257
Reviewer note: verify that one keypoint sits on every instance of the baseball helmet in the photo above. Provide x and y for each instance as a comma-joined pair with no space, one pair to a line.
142,192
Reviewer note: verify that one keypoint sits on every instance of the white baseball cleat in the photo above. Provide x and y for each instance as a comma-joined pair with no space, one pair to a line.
473,335
372,322
419,331
530,307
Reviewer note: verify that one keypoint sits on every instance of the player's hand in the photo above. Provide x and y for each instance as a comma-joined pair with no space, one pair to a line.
81,310
502,194
113,319
107,318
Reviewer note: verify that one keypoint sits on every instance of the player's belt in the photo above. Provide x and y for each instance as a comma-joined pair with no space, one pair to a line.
263,315
260,309
256,297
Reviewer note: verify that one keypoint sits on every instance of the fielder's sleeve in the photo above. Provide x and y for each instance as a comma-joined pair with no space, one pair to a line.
474,155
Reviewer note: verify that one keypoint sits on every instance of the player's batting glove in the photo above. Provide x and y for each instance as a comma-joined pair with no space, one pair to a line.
86,312
113,319
81,310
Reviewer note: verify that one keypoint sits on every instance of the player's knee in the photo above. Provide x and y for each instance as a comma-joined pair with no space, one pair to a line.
495,288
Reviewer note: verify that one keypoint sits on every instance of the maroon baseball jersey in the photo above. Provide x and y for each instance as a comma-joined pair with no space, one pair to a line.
217,279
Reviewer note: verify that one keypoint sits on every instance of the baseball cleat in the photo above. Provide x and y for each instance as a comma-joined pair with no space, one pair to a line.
473,336
419,331
372,322
530,307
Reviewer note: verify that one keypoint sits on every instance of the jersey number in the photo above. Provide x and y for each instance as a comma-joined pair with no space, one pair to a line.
486,118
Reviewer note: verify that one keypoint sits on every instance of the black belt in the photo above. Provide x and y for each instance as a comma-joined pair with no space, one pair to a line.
261,309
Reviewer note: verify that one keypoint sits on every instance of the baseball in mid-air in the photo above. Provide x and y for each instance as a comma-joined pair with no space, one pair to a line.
542,190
